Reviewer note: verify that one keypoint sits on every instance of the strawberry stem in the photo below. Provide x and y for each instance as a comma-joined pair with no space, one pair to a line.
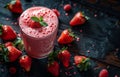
86,17
64,48
72,33
18,43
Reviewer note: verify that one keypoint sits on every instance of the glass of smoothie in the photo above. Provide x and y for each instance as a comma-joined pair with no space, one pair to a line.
38,41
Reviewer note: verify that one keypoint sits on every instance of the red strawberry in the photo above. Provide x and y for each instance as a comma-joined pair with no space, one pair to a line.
54,68
67,7
7,33
8,44
56,12
14,53
34,24
78,19
15,6
82,62
103,73
64,57
66,37
37,22
25,62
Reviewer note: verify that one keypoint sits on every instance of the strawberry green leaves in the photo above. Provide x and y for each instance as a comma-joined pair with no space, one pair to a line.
84,65
0,29
3,54
13,2
40,20
82,62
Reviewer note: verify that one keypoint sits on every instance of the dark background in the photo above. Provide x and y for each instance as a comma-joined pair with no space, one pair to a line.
100,35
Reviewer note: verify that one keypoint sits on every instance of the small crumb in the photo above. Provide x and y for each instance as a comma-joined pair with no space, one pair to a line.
7,19
66,73
96,68
19,35
12,23
73,63
74,73
117,49
95,15
71,67
74,4
81,30
77,39
88,51
116,75
15,23
66,14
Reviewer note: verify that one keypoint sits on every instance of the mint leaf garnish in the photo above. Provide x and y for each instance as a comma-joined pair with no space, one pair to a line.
43,23
40,20
35,19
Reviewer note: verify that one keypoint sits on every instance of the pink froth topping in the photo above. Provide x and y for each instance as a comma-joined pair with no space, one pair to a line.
49,17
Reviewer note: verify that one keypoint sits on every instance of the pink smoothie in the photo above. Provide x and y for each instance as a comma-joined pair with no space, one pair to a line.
38,42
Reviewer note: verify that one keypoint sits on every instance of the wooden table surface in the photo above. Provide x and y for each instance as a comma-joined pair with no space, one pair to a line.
99,37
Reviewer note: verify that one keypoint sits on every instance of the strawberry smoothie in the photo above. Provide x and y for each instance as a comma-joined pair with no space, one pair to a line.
38,42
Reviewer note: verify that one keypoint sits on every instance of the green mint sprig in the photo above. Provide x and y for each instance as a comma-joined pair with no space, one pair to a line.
40,20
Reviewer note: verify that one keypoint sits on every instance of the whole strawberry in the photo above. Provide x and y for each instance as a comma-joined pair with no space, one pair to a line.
9,53
66,37
82,62
64,57
13,53
67,7
7,32
25,62
15,6
103,73
54,68
78,19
